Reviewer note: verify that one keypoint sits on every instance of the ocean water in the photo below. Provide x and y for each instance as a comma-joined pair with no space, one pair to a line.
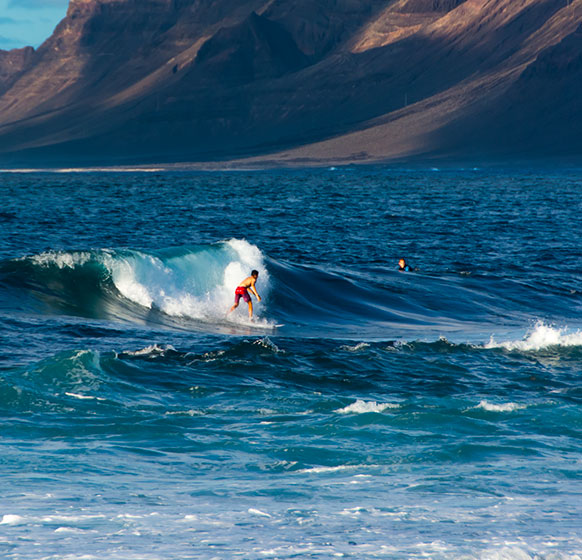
365,413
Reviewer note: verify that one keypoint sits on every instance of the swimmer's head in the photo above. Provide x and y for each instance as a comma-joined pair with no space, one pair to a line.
401,263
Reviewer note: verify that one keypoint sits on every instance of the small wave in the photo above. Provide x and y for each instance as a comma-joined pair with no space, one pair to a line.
267,343
542,336
356,347
10,519
191,413
259,513
505,407
516,553
339,468
83,397
73,530
363,407
151,351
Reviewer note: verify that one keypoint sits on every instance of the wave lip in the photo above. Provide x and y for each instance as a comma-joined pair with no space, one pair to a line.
194,283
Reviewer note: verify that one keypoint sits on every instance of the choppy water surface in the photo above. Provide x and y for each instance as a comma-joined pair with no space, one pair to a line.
366,413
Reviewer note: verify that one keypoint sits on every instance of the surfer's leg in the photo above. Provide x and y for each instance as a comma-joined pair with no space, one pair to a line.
250,309
236,301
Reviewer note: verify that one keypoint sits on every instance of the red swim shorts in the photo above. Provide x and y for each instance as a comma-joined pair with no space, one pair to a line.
241,291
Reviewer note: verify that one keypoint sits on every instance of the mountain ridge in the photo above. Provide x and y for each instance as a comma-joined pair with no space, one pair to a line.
123,81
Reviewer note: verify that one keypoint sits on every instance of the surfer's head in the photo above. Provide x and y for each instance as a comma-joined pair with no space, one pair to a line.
401,263
255,273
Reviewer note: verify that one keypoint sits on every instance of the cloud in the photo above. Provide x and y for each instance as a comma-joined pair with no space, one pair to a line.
38,4
8,43
29,22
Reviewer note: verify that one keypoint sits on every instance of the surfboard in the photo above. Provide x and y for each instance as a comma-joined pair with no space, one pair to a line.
260,326
253,325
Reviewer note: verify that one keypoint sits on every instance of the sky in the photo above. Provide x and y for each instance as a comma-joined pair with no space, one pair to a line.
29,22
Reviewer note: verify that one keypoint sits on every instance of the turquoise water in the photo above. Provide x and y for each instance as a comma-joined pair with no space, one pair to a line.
429,414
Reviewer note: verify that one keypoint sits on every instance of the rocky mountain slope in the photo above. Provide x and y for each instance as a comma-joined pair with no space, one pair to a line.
136,81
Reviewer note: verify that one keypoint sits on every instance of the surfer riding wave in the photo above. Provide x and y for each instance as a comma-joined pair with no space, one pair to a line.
242,290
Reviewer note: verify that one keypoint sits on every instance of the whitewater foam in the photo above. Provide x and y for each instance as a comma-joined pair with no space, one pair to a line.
124,273
339,468
83,397
73,530
9,519
504,407
267,343
357,347
60,259
153,350
197,284
362,407
540,337
190,282
259,513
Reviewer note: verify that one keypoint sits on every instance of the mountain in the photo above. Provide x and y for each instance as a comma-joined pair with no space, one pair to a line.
296,81
13,64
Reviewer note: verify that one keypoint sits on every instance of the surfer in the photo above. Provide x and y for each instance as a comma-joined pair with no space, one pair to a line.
402,266
242,291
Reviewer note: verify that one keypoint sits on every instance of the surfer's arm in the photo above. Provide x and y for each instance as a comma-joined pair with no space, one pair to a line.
254,290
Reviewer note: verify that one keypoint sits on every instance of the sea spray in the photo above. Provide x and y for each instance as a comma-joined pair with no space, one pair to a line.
540,337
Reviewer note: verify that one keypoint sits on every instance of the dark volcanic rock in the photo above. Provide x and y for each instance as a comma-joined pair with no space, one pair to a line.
13,63
256,49
424,6
319,26
540,114
146,80
546,100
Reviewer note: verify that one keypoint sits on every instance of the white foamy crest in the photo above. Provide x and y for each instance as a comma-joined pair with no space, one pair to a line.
152,350
542,336
9,519
83,397
259,513
61,259
356,347
362,407
267,343
339,468
197,285
248,258
516,553
505,407
124,273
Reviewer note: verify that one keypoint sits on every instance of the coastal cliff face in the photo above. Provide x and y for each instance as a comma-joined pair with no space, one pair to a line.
315,80
12,64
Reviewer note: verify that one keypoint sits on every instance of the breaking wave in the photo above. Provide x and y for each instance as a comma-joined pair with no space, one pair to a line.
192,287
189,282
541,337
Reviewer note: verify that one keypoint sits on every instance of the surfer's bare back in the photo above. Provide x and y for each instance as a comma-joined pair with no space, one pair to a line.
242,291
